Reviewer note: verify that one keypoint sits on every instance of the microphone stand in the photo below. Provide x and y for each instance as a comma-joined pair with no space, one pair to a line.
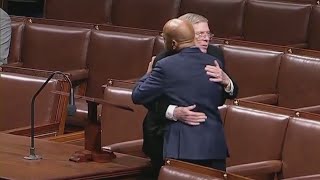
32,155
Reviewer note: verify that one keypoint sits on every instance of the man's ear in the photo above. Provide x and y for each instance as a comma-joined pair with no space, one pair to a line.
174,44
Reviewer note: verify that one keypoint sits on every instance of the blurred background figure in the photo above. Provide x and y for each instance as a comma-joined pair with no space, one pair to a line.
5,36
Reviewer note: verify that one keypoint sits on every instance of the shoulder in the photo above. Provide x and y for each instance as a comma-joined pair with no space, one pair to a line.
162,55
216,52
5,19
3,14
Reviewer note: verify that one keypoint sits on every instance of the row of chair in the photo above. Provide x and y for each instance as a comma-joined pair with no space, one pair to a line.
283,23
274,77
264,141
92,56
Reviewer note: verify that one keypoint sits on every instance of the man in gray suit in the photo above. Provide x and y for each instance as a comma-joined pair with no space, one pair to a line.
5,36
183,80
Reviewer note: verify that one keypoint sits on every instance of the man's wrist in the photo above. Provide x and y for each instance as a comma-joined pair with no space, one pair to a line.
170,112
229,88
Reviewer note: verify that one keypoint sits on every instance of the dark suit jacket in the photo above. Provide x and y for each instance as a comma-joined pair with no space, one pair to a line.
215,52
155,120
183,80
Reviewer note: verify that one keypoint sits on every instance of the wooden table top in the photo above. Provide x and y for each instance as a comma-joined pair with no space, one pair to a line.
55,162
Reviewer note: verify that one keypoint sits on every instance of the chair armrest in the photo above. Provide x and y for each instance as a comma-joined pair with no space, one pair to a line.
263,167
300,45
78,74
271,99
311,109
309,177
129,147
125,146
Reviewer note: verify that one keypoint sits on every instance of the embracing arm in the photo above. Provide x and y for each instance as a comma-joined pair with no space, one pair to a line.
149,87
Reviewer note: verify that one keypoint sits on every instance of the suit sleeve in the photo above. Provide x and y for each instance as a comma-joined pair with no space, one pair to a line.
150,86
159,105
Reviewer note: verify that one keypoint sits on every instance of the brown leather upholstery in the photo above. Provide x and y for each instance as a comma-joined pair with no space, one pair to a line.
17,18
314,29
276,23
61,23
109,27
254,70
103,27
120,125
178,170
237,42
254,135
97,11
298,1
116,55
300,153
16,94
128,84
16,41
300,70
144,14
225,17
281,22
112,55
175,173
50,47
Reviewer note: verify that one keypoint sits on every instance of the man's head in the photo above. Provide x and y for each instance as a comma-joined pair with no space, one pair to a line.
178,34
201,29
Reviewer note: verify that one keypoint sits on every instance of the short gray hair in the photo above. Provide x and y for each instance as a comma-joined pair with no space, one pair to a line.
193,18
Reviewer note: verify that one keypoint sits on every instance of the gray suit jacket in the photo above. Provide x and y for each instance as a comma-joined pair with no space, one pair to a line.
5,36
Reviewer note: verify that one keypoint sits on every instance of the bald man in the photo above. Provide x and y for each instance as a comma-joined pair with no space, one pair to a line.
183,81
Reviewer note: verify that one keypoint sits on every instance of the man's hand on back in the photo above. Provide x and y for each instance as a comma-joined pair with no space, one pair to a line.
186,115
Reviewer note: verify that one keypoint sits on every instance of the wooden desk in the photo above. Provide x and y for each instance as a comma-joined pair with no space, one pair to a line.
55,163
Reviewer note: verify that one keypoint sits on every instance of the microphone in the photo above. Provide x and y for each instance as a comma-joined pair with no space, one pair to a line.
71,110
71,106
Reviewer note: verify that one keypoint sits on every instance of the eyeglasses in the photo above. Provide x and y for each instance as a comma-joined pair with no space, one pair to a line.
199,35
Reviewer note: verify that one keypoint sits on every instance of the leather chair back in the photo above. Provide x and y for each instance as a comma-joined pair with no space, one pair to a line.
276,22
301,148
254,134
16,94
254,70
16,42
297,81
97,11
49,47
116,55
225,17
120,125
144,14
314,29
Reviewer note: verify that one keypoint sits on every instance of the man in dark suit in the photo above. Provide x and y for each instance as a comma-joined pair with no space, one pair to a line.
181,78
159,110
